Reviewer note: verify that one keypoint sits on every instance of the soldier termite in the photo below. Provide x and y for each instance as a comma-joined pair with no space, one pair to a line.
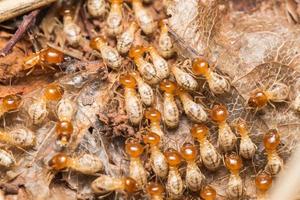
208,193
126,39
10,103
115,17
136,168
109,54
70,28
155,191
278,92
157,158
146,69
263,183
145,90
160,64
143,17
271,141
235,183
6,159
165,44
208,153
170,110
64,131
217,83
96,8
85,163
133,104
192,109
194,177
174,185
19,137
184,79
105,183
226,138
247,147
155,118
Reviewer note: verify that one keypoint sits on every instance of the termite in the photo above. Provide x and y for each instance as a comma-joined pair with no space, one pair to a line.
64,131
174,185
70,28
65,109
194,177
208,193
217,83
144,89
85,163
44,58
143,17
263,183
115,17
165,44
235,183
296,104
109,54
20,137
136,168
96,8
278,92
10,103
6,159
155,191
208,153
226,138
170,110
155,118
146,69
247,147
193,110
126,39
133,104
105,183
157,158
184,79
271,141
160,64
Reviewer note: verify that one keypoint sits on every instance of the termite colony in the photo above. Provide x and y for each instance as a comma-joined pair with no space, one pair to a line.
158,95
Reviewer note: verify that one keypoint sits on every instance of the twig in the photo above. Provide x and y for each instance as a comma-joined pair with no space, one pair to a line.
28,20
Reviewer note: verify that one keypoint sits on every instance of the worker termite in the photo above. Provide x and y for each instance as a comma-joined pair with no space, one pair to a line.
143,17
44,58
184,79
96,8
278,92
6,159
126,39
20,137
10,103
157,158
247,147
226,138
235,183
64,131
70,28
105,183
85,163
217,83
155,191
114,18
136,167
165,44
192,109
145,90
263,183
133,104
271,141
160,64
194,177
174,185
146,69
109,54
296,104
208,153
155,117
170,110
65,109
208,193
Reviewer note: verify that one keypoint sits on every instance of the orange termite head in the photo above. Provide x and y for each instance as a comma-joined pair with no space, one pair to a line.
219,113
133,149
94,43
168,86
128,81
136,52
